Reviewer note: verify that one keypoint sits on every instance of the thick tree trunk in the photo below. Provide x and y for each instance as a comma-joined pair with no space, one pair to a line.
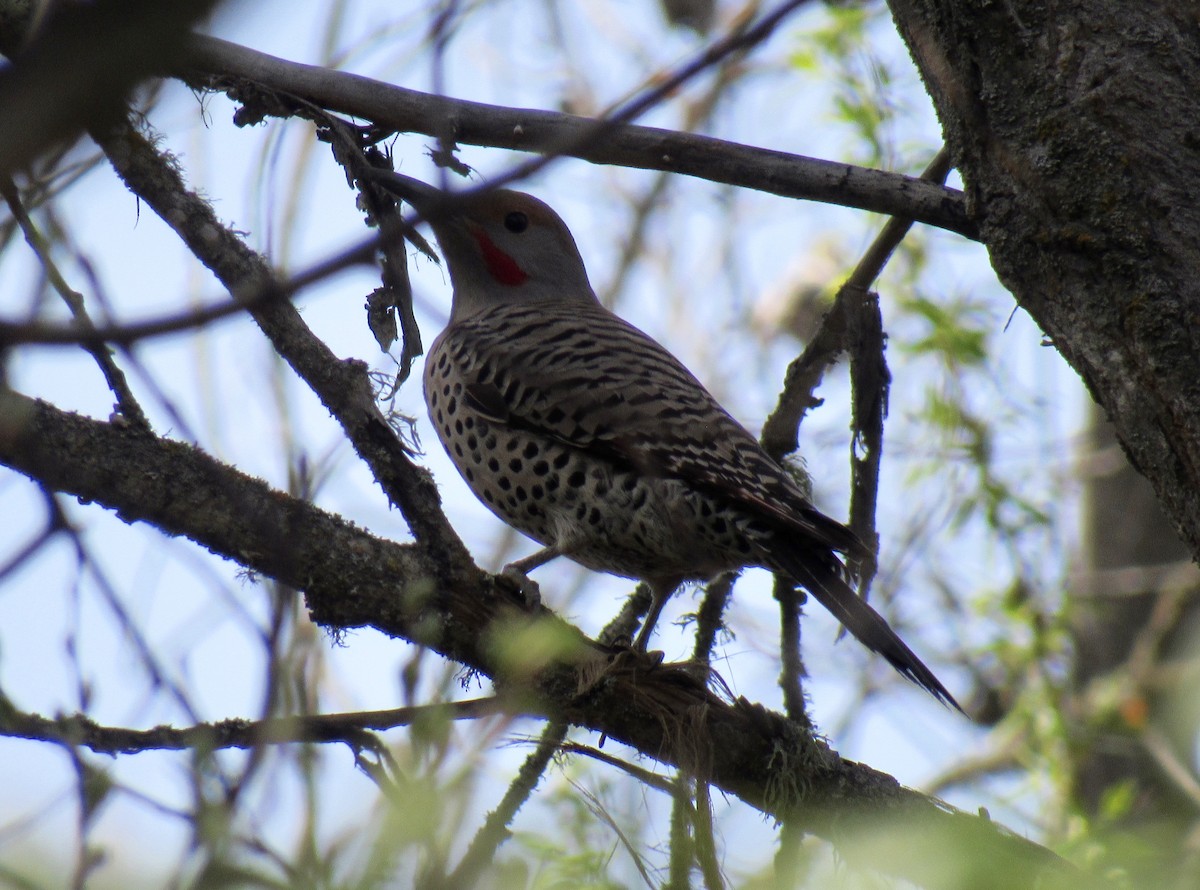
1074,125
1075,128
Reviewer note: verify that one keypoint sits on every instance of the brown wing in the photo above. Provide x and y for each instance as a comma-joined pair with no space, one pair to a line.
596,382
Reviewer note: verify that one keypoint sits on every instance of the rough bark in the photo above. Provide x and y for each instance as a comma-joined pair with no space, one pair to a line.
1074,127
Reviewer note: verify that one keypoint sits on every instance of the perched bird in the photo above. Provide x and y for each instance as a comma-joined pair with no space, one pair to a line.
584,433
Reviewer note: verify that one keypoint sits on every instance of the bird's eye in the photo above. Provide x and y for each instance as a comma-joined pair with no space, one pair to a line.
516,222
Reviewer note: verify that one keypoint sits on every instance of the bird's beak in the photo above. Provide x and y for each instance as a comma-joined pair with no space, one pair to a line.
423,197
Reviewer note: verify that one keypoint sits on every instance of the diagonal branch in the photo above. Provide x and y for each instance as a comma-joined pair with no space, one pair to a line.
342,386
353,728
260,80
804,375
495,831
127,403
353,579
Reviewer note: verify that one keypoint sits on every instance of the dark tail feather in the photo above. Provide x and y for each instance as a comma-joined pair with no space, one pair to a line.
868,626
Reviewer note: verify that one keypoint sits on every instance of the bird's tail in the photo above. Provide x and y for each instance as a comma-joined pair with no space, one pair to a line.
827,584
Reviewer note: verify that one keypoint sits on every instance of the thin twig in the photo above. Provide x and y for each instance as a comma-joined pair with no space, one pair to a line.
791,659
804,375
381,210
696,114
601,812
710,615
788,857
494,830
54,525
1180,774
870,385
705,837
682,849
248,300
353,728
127,404
623,624
853,323
643,776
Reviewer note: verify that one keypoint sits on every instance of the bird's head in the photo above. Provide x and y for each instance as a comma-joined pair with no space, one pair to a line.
501,246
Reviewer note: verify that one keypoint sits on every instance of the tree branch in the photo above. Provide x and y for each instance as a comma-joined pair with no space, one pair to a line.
353,728
353,579
343,387
265,83
114,376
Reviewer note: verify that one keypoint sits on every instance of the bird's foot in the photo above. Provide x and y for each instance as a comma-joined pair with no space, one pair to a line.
512,576
624,647
655,656
643,638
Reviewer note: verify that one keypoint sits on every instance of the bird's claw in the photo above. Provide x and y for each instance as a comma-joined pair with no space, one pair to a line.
623,645
522,584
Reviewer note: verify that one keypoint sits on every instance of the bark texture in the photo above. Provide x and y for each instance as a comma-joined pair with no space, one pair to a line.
1075,128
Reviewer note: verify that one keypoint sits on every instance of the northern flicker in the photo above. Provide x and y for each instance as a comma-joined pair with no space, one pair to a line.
584,433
